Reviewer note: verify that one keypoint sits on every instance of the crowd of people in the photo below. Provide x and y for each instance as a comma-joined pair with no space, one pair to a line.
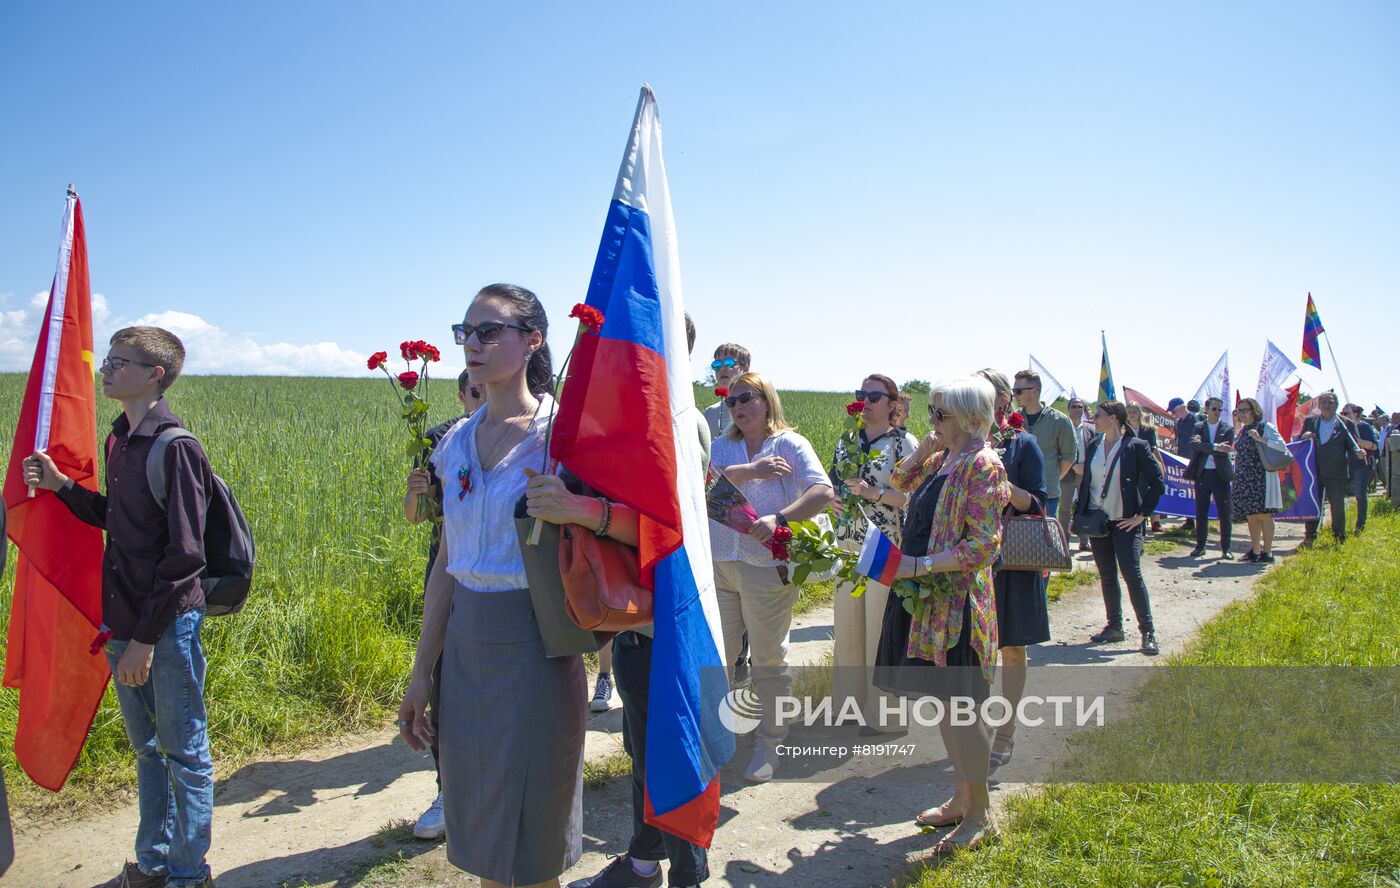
506,723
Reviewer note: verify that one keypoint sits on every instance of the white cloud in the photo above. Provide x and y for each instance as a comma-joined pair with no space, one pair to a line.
208,348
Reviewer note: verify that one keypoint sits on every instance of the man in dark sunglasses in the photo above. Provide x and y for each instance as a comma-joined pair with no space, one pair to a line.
731,361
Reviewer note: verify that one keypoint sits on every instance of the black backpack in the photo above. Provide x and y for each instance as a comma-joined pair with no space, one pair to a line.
228,542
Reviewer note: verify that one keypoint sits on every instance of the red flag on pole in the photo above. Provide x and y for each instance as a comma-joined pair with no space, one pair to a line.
56,612
1288,411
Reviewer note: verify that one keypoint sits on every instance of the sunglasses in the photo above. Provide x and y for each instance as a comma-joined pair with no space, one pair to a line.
723,362
936,414
1028,388
745,398
872,397
488,333
115,364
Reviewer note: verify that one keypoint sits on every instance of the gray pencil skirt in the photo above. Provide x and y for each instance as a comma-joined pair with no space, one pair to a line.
511,747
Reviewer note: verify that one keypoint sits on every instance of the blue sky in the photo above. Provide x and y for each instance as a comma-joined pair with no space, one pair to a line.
919,189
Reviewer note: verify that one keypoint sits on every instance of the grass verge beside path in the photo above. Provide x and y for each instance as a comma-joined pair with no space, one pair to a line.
1333,605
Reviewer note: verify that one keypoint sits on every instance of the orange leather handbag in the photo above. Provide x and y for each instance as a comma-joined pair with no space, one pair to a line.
603,591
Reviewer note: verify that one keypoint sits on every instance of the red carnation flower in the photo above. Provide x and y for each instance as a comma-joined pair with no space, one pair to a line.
1016,421
854,408
377,360
406,349
588,316
779,551
407,380
721,392
782,534
429,352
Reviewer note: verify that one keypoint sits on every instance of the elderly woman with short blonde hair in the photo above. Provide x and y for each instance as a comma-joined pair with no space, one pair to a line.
945,645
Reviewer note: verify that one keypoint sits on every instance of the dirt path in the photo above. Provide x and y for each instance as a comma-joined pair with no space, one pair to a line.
323,818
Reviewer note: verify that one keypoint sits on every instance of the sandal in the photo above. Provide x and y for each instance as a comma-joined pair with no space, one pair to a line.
969,836
937,818
1004,756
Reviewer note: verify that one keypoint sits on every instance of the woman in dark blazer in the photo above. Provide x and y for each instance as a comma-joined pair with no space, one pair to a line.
1023,615
1122,478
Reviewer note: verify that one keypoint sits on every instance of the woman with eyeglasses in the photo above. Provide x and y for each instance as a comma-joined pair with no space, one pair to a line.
1023,613
857,620
1125,483
779,473
512,720
945,645
1255,494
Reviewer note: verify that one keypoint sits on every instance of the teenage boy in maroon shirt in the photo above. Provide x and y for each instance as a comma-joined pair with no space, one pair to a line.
152,605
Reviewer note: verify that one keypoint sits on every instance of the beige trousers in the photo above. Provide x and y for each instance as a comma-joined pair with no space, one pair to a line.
755,600
858,624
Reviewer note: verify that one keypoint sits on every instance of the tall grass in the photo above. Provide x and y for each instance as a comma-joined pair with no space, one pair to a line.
326,641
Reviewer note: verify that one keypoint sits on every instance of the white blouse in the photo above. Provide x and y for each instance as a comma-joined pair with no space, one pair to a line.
478,506
1112,501
767,497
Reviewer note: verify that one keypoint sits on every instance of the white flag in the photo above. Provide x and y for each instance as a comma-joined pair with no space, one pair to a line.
1217,384
1050,388
1275,368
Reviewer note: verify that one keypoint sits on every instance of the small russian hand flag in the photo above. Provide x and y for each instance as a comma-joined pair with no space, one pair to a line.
879,558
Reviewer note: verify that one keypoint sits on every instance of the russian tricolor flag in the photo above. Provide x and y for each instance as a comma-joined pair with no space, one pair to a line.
628,427
879,557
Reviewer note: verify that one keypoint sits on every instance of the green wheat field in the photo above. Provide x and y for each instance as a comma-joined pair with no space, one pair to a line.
326,641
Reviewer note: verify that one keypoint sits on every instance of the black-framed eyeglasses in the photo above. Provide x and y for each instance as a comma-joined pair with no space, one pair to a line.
743,398
936,414
115,364
1216,409
1028,388
723,362
872,397
488,333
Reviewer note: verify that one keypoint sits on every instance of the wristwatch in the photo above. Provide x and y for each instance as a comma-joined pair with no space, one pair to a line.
927,562
781,519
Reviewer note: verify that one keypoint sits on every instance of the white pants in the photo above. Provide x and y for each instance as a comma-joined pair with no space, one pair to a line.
755,600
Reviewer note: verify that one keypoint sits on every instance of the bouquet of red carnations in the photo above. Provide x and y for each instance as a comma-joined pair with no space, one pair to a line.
411,393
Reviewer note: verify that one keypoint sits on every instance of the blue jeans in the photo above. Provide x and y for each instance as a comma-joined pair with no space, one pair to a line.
1052,508
166,724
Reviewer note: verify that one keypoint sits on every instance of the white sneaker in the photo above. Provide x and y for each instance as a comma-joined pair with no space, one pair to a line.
603,697
432,825
763,765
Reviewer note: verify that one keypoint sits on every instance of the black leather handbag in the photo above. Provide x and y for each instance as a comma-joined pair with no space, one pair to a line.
1093,522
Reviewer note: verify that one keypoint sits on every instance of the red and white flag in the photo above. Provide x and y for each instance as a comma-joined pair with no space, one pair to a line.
56,614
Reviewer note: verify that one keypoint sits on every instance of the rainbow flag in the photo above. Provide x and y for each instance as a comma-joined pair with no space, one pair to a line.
1107,392
1312,326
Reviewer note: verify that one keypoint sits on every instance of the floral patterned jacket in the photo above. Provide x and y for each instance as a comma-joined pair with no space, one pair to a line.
967,523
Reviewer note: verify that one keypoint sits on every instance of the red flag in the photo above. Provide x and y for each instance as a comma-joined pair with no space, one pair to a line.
57,608
1287,413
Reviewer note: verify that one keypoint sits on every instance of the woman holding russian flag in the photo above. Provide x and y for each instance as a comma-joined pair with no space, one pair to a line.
512,720
945,645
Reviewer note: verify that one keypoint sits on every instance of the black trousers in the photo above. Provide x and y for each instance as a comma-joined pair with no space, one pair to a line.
1120,551
1211,486
632,669
1332,494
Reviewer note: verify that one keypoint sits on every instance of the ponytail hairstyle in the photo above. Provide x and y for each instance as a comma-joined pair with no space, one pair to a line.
528,311
1118,411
